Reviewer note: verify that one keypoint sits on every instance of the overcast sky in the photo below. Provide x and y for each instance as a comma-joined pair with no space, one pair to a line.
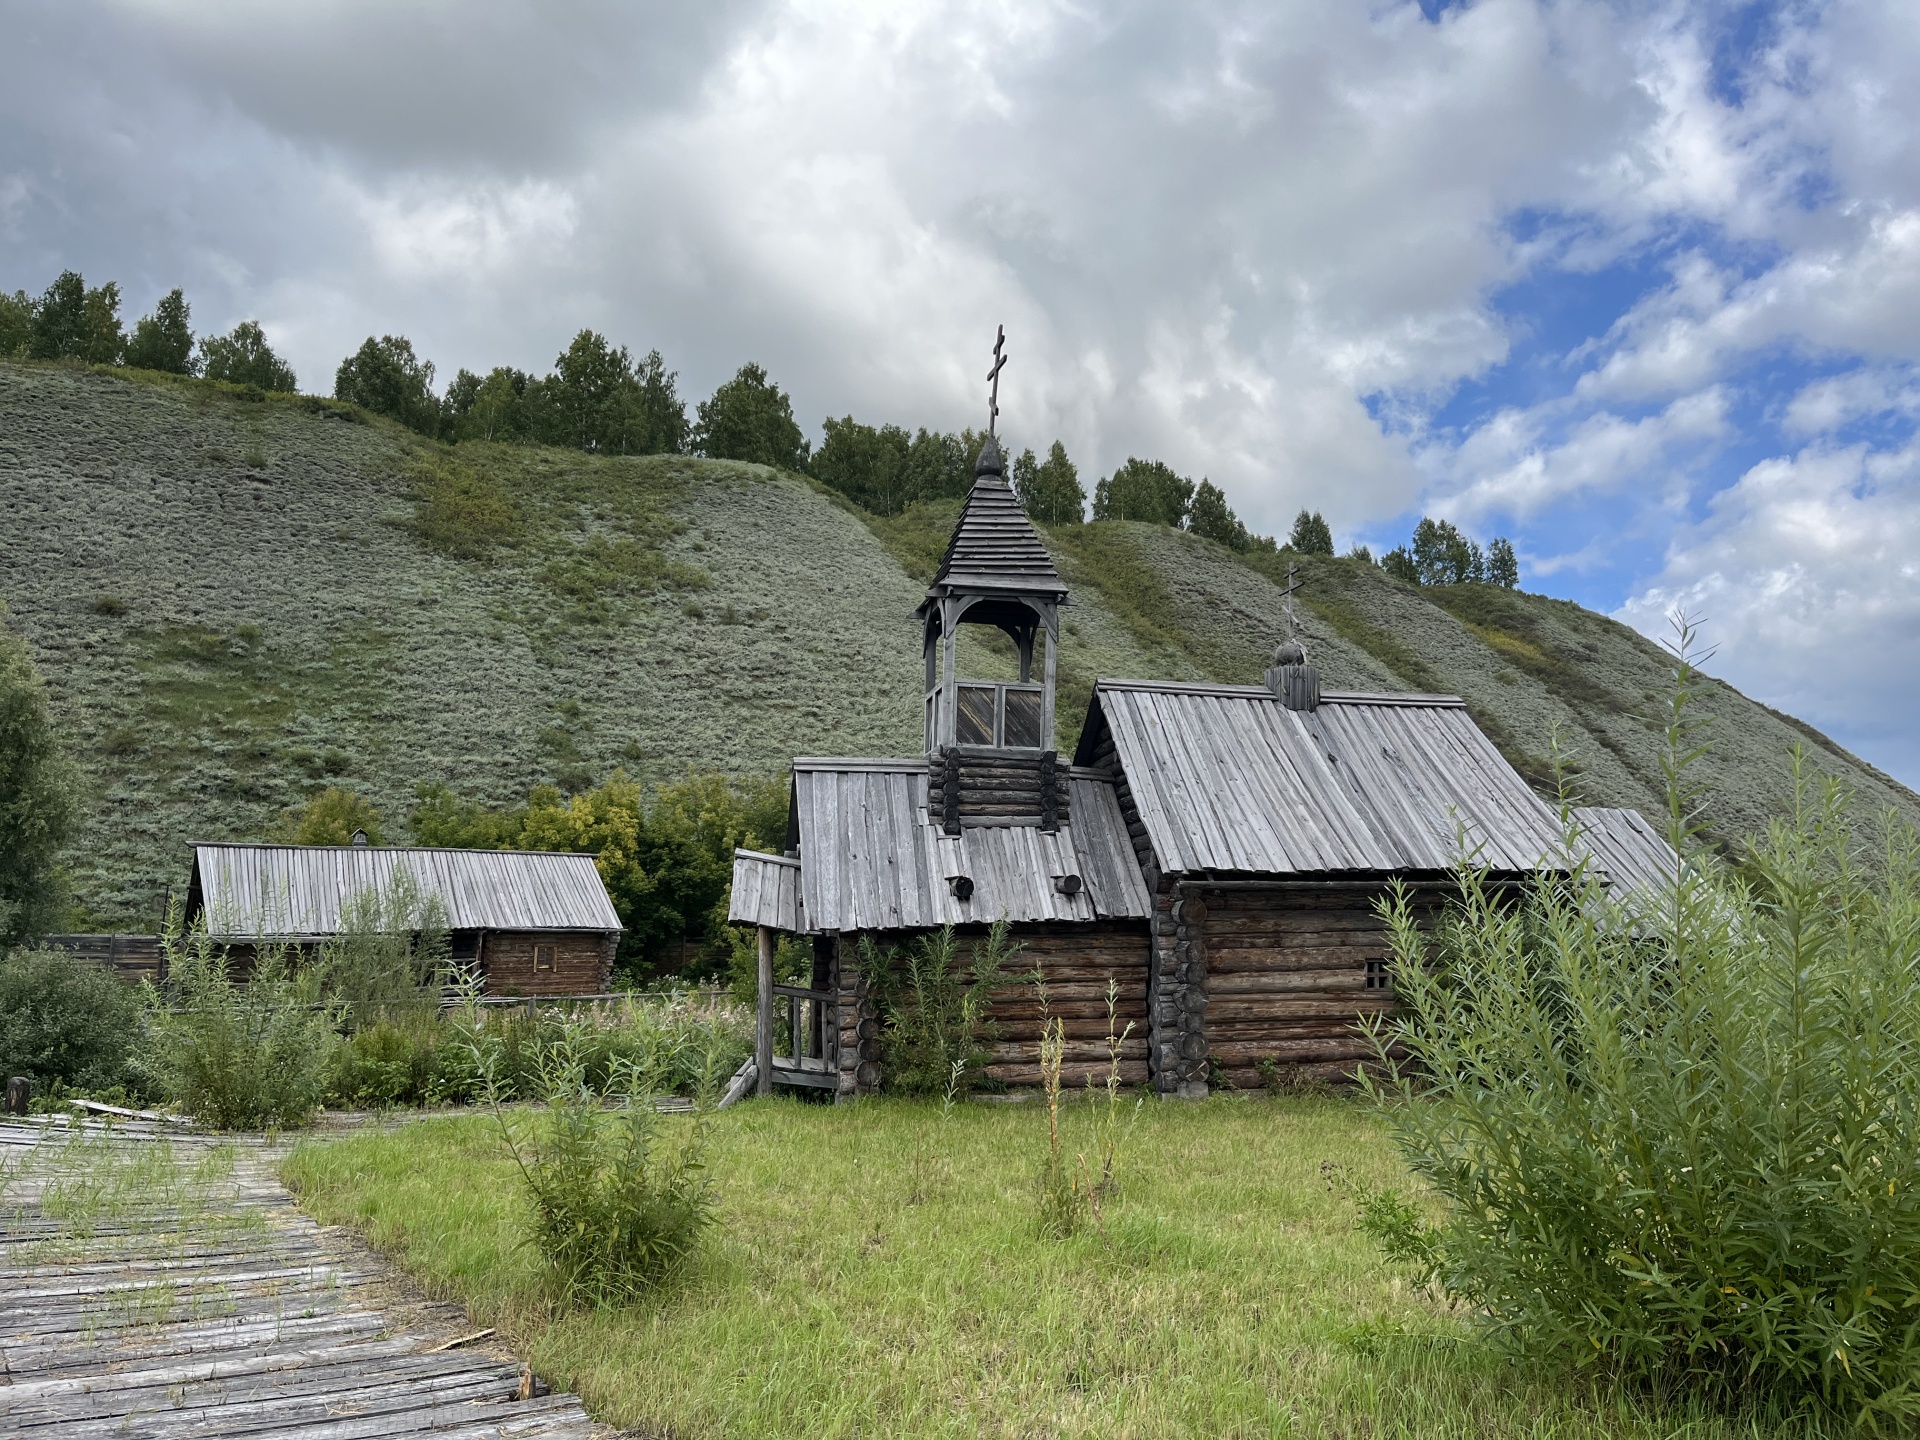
1638,285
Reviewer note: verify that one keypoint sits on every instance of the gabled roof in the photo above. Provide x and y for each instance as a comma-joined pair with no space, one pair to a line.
1227,779
870,858
299,892
995,547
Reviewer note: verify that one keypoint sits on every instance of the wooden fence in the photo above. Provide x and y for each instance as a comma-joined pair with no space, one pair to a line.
132,958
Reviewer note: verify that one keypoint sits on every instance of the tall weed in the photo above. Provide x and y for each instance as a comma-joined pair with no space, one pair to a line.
390,957
1071,1195
1679,1142
933,1006
615,1212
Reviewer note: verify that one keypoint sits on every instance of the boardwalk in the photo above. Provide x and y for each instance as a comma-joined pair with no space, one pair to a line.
154,1284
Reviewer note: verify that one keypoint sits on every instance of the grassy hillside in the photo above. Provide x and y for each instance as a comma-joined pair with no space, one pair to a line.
236,600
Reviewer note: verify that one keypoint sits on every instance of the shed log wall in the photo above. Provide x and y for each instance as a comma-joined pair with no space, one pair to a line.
582,963
1076,965
131,958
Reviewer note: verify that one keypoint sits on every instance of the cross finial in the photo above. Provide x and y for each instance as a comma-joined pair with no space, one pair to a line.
1294,584
999,363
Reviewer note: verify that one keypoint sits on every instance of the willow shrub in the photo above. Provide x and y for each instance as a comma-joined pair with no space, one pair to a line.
1679,1144
237,1049
936,1030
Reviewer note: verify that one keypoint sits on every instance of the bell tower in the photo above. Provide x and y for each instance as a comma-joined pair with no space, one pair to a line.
990,742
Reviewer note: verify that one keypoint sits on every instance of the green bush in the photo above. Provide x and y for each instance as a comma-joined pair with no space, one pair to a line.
1681,1143
39,805
65,1021
386,1064
613,1216
933,1007
237,1051
674,1041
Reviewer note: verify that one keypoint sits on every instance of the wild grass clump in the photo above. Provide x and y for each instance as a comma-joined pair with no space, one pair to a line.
614,1213
237,1051
1679,1142
673,1039
394,1062
933,1008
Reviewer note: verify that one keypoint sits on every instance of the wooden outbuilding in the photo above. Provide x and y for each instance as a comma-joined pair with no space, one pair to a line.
536,922
1215,852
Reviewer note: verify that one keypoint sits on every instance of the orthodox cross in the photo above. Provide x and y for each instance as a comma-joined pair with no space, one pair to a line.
1294,584
999,363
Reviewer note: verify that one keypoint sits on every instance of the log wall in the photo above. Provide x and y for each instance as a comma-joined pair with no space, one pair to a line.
583,963
967,785
1077,961
1286,978
131,958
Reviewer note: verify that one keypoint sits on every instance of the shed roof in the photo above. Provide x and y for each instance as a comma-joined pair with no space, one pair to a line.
300,891
1227,779
874,861
995,547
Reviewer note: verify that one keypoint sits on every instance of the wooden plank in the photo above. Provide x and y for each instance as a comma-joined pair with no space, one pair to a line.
1287,982
120,1341
1338,957
1073,1074
1225,1010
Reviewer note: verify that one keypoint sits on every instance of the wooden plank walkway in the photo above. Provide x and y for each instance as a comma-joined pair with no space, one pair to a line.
158,1283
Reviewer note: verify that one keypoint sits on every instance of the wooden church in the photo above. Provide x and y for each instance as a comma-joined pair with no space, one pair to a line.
1215,851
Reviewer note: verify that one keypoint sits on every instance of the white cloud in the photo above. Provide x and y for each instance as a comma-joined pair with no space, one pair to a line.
1826,405
1505,466
1856,299
1807,575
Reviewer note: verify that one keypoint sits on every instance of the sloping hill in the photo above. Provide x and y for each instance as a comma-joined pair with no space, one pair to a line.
237,599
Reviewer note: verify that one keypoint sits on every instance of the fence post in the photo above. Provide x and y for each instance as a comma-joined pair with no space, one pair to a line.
763,1020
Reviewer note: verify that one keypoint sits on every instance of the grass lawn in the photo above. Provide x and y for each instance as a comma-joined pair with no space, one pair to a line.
877,1273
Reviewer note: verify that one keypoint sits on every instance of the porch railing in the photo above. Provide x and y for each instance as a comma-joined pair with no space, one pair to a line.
795,1032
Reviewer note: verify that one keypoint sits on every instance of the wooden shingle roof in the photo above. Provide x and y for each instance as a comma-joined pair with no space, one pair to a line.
872,859
995,547
300,892
1226,779
1640,865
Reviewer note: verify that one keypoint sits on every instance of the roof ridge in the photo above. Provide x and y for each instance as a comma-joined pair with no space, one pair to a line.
1406,699
382,849
859,762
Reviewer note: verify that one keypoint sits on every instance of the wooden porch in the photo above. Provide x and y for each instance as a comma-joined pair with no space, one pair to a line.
796,1031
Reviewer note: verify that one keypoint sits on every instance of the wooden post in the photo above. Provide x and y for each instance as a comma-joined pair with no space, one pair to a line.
763,1021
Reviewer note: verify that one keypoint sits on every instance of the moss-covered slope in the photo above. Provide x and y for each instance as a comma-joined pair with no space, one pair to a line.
236,600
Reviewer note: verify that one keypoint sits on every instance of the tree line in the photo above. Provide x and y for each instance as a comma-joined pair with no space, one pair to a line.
72,322
598,397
